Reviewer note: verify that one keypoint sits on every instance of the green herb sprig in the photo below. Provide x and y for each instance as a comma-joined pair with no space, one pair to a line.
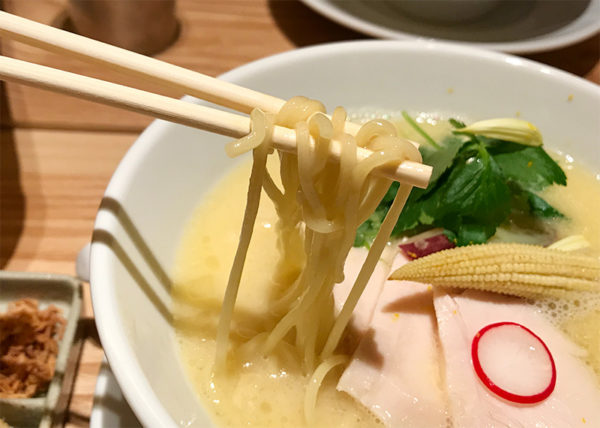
477,182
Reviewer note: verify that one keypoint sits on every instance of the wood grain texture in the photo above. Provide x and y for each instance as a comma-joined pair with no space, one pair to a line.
50,186
215,37
52,183
57,153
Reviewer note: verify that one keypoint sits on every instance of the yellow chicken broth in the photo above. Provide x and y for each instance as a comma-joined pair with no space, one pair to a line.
580,318
262,392
269,392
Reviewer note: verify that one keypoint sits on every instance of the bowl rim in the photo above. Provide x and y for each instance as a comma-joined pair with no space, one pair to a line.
527,46
131,379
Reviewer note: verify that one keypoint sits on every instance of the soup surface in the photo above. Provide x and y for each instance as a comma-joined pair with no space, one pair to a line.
269,392
265,392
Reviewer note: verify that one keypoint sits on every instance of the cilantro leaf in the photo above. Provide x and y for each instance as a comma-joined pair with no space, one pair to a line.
442,158
473,233
391,193
540,208
531,167
474,193
477,184
366,232
475,187
529,204
457,123
410,218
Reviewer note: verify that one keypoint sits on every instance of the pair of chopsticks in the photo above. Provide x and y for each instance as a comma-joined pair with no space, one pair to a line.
196,84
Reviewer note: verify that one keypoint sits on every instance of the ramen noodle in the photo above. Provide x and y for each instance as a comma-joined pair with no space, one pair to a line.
287,339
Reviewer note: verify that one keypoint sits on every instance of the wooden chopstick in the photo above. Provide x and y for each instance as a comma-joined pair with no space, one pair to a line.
167,75
159,72
178,111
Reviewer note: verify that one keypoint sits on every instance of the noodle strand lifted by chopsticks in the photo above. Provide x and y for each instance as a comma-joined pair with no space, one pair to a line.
367,269
258,142
320,205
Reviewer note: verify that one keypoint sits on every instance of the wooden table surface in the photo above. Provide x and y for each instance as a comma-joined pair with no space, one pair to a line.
58,153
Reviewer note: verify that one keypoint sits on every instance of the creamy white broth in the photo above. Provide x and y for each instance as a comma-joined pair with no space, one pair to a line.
265,392
581,204
269,392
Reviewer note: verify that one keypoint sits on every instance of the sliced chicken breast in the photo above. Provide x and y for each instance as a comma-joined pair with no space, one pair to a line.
395,370
575,401
363,312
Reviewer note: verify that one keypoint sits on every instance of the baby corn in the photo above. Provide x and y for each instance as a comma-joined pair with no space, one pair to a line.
515,269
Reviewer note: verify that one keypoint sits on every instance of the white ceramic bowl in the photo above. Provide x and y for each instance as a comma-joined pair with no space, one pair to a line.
169,169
